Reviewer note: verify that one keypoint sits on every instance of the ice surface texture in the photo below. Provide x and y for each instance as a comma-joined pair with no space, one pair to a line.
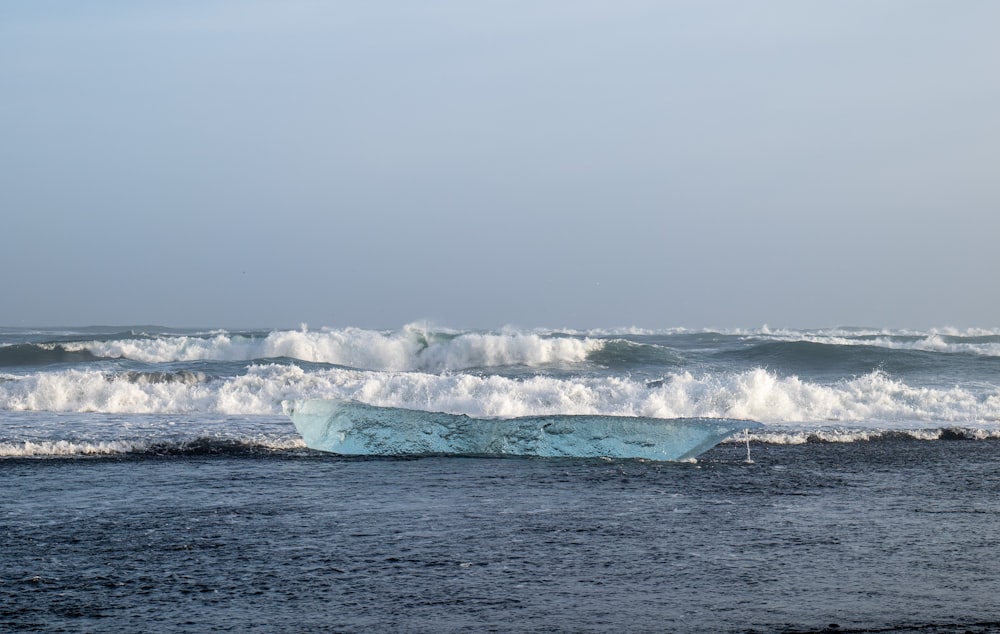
352,428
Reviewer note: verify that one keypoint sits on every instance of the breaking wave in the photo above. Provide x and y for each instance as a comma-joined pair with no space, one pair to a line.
410,349
979,343
756,394
43,354
417,348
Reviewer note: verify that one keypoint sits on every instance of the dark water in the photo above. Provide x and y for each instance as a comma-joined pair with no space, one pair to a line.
894,535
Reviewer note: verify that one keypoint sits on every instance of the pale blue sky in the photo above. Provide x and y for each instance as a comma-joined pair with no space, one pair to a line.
476,164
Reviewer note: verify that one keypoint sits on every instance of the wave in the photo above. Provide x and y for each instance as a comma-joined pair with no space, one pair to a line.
811,358
412,348
43,354
625,354
979,344
757,394
973,341
418,348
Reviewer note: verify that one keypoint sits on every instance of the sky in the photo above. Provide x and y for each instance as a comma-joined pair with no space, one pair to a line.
543,163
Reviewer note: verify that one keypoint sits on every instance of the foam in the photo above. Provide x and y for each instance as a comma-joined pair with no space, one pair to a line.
189,446
29,449
798,435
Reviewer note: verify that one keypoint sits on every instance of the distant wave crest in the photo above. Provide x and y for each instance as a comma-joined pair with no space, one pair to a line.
412,348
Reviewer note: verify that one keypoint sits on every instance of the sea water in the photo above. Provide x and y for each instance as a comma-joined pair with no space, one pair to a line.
149,481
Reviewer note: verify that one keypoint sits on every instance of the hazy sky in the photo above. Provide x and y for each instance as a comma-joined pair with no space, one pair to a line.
476,164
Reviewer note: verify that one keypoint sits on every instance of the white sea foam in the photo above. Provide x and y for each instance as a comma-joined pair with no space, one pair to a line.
754,394
798,435
49,448
67,448
412,348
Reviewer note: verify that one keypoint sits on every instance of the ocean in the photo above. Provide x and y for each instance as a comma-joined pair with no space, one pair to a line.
149,481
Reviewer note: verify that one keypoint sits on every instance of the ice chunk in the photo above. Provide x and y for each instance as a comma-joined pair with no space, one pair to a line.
352,428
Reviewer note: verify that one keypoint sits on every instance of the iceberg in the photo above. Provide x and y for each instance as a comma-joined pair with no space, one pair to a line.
351,428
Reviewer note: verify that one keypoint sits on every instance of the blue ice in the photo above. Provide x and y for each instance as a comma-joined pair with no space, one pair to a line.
352,428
